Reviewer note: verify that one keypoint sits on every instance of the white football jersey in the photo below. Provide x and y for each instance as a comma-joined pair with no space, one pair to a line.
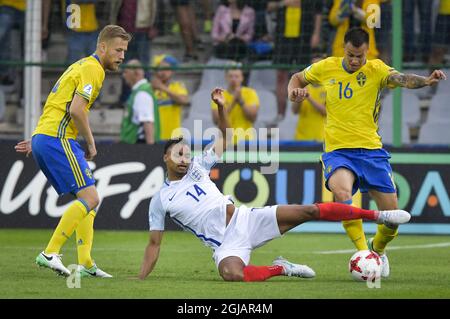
194,202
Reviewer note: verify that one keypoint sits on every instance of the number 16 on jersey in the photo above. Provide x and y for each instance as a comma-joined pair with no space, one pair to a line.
348,92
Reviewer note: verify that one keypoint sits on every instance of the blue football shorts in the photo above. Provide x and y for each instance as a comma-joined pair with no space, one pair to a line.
62,162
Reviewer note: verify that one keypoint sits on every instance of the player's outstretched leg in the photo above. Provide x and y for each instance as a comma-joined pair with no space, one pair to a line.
337,211
233,269
291,269
290,216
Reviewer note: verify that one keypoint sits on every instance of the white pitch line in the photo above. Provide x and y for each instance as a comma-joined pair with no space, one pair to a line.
347,251
319,252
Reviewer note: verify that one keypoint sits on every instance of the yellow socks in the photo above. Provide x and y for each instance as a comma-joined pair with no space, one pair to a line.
355,231
383,236
68,223
85,237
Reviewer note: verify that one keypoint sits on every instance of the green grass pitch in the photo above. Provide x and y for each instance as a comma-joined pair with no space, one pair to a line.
185,268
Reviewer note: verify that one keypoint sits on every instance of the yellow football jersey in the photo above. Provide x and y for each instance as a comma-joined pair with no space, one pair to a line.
85,78
170,114
352,102
311,123
17,4
236,116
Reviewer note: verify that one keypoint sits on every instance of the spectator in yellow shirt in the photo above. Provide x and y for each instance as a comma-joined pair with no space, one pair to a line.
171,96
312,112
241,104
82,36
345,14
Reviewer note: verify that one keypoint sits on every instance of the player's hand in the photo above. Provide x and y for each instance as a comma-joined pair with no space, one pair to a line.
91,152
217,97
298,95
435,77
23,147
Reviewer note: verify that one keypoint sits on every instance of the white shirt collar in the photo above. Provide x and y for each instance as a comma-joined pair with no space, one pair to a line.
139,83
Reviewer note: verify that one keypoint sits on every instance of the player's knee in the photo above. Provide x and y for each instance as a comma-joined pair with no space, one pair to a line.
342,195
95,201
231,275
92,200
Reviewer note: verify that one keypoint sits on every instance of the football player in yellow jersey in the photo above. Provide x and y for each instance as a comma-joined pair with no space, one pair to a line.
354,158
61,158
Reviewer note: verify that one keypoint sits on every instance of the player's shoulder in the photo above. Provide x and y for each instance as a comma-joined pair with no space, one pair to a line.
247,90
377,64
91,65
156,196
157,199
327,63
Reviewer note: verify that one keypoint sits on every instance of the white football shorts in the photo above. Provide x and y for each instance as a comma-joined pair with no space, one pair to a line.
249,228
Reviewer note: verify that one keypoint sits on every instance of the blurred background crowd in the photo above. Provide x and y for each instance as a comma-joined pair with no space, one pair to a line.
249,47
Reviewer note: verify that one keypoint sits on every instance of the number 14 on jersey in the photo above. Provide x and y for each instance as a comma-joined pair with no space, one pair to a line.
199,192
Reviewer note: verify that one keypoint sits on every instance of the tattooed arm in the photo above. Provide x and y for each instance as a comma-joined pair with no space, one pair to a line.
413,81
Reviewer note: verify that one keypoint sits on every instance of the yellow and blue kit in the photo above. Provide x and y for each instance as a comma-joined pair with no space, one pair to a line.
351,130
54,144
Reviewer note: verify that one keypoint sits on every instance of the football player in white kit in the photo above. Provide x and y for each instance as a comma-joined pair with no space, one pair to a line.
195,203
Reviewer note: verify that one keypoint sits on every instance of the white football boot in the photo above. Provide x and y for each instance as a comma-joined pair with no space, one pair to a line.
53,262
393,217
291,269
93,272
385,270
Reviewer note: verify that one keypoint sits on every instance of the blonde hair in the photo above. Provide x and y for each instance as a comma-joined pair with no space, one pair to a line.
112,31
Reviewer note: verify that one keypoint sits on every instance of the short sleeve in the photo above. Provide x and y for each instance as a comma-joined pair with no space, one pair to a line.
207,159
91,79
384,71
156,214
313,73
143,107
179,88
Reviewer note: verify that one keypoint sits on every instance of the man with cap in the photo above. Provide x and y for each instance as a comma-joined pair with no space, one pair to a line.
172,96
